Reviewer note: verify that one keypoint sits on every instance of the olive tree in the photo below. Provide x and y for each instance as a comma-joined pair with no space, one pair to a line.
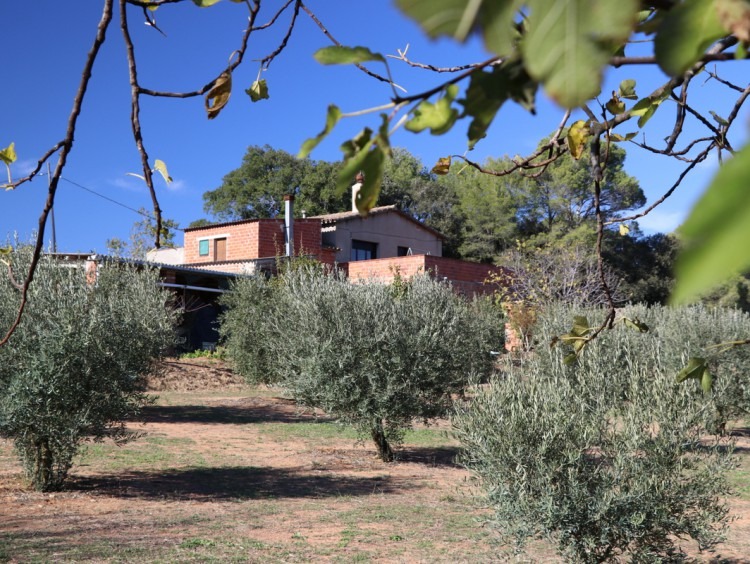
609,456
73,370
373,355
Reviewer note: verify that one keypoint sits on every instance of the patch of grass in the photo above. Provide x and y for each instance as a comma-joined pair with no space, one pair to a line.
429,437
197,543
311,431
145,453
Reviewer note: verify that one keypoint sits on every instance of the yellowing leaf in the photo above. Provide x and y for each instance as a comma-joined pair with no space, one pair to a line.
258,90
340,55
716,232
624,229
578,134
332,118
8,155
161,168
615,106
688,29
204,3
569,42
219,94
627,137
442,167
734,15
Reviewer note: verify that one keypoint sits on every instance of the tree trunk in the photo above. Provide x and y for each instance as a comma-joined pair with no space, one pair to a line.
384,449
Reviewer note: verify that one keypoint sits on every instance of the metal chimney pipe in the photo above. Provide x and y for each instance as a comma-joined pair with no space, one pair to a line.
289,225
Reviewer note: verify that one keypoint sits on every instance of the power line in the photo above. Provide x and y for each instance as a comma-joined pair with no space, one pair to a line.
145,214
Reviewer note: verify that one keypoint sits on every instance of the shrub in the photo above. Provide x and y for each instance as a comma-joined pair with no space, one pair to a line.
606,457
375,356
71,372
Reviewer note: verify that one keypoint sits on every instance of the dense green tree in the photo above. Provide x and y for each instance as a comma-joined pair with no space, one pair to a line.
608,458
375,356
257,188
74,369
644,264
561,199
486,211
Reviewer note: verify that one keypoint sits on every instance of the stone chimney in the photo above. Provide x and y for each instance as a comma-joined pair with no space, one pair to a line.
359,179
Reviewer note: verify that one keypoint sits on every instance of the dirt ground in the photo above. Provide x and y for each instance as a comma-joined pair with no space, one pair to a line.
225,473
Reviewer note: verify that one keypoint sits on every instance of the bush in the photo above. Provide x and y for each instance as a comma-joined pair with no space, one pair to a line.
375,356
71,371
606,457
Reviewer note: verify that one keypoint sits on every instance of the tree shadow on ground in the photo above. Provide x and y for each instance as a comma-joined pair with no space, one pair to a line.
430,456
224,414
233,483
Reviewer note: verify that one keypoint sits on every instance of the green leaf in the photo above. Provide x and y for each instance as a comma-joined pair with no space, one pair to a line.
459,18
627,89
438,117
442,167
688,29
340,55
734,15
204,3
578,134
258,90
218,94
716,232
8,155
332,118
636,324
646,107
694,369
161,168
488,91
706,380
570,359
569,42
366,154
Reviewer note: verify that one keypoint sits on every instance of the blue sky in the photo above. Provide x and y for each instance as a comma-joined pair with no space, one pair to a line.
45,44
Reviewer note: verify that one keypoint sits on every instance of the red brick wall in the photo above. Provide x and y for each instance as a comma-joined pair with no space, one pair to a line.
466,277
253,239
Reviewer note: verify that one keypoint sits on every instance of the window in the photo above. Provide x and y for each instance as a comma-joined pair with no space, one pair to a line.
203,248
364,250
220,249
403,251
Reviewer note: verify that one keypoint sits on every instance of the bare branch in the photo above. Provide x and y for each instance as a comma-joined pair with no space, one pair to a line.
268,59
403,58
700,158
233,64
135,120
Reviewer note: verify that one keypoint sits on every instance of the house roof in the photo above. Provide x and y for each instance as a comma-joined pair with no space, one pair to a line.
351,215
279,218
